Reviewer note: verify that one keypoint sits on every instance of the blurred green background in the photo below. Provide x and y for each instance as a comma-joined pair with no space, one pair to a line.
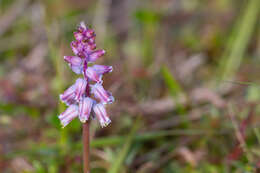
186,83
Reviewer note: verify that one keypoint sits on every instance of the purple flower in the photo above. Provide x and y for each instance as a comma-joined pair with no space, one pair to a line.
96,55
102,69
80,88
101,94
85,106
69,95
78,96
68,115
92,74
75,63
101,114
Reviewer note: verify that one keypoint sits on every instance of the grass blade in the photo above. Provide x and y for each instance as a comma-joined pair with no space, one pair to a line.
238,42
123,153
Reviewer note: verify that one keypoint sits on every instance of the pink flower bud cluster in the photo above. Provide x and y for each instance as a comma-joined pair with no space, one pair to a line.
78,96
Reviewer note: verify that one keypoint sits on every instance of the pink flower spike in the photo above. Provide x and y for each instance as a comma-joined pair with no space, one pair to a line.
93,75
95,55
101,114
102,69
78,96
68,97
80,86
101,94
85,106
68,115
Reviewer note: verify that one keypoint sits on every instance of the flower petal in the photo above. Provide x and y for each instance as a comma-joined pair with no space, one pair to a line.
68,115
73,60
85,106
75,63
80,86
102,69
95,55
68,96
101,114
93,75
76,69
101,94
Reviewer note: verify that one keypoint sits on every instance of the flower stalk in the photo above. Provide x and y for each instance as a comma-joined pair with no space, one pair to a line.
86,147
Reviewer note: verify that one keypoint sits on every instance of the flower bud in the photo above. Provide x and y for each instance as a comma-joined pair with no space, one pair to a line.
91,40
68,115
82,26
89,48
101,94
78,35
85,106
90,33
76,47
101,114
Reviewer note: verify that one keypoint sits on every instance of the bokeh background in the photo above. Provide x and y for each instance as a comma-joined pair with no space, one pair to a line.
185,79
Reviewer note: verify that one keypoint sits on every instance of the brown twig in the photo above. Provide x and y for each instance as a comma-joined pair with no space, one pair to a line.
86,149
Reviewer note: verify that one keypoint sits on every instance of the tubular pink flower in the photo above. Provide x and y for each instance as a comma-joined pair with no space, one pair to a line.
68,115
80,86
68,96
101,114
101,94
96,55
75,63
85,106
73,60
93,75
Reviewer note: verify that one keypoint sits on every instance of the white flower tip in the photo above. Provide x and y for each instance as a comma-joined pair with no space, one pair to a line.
82,24
105,124
83,120
110,69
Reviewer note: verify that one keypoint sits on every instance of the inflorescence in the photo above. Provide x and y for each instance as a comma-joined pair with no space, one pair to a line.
78,96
